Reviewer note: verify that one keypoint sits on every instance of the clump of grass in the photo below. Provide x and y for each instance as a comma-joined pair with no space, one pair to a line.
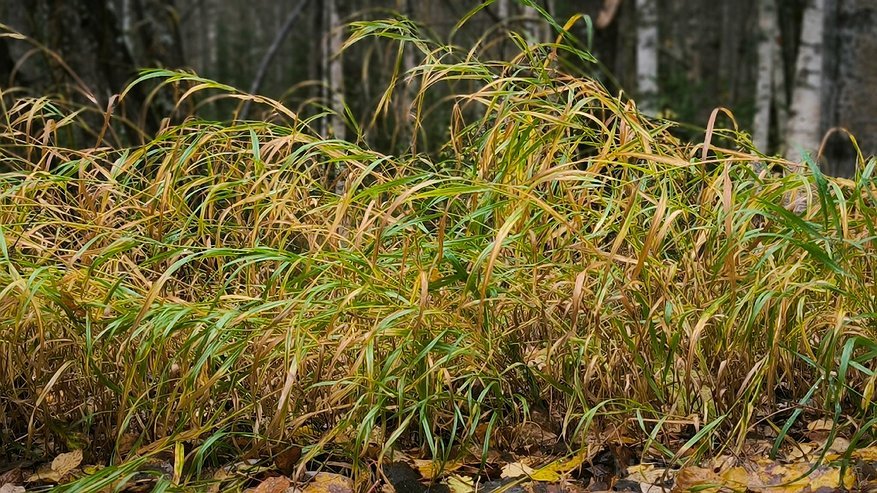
209,292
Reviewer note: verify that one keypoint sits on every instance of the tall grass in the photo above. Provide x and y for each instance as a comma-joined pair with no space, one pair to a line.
564,255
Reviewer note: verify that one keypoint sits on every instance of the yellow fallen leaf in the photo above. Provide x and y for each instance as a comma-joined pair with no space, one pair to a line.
735,477
460,484
645,473
702,480
219,476
275,484
325,482
820,425
546,475
432,470
831,480
868,454
515,470
554,471
788,478
44,475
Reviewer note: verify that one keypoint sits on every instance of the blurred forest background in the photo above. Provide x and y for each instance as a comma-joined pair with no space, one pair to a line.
790,70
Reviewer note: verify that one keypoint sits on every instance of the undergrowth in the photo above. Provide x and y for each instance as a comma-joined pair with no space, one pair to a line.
208,292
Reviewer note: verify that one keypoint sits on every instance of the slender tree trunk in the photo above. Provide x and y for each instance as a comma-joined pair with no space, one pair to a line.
406,130
333,79
780,96
647,55
533,23
768,32
548,31
334,71
504,11
211,34
856,78
805,123
282,33
503,8
127,24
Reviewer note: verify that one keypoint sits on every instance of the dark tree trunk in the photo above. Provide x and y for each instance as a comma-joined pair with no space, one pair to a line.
855,77
84,33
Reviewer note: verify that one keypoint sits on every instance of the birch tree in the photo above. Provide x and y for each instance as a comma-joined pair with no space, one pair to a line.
333,72
767,54
333,81
647,55
503,9
805,124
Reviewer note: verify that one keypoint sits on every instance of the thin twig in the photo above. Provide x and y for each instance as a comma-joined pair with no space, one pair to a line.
269,55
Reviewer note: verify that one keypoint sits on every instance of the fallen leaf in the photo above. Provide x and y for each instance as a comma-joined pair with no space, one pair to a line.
431,470
546,475
219,476
735,477
286,460
460,484
555,471
868,454
274,484
839,446
11,488
702,480
722,462
62,465
645,473
516,470
764,477
14,475
536,358
126,443
802,451
44,475
790,478
325,482
820,425
65,463
649,478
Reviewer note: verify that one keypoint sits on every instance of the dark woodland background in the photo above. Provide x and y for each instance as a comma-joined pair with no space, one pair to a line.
707,53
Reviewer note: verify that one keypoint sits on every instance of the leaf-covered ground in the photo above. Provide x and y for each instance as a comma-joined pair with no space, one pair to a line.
818,462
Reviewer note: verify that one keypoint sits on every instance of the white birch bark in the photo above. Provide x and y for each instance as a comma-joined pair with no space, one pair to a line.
767,46
336,72
647,55
804,126
333,78
502,9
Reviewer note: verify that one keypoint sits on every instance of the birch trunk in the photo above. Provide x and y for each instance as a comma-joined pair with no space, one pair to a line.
647,55
502,9
804,128
768,32
333,78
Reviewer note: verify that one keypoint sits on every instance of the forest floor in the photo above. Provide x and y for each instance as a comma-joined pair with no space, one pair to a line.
563,297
